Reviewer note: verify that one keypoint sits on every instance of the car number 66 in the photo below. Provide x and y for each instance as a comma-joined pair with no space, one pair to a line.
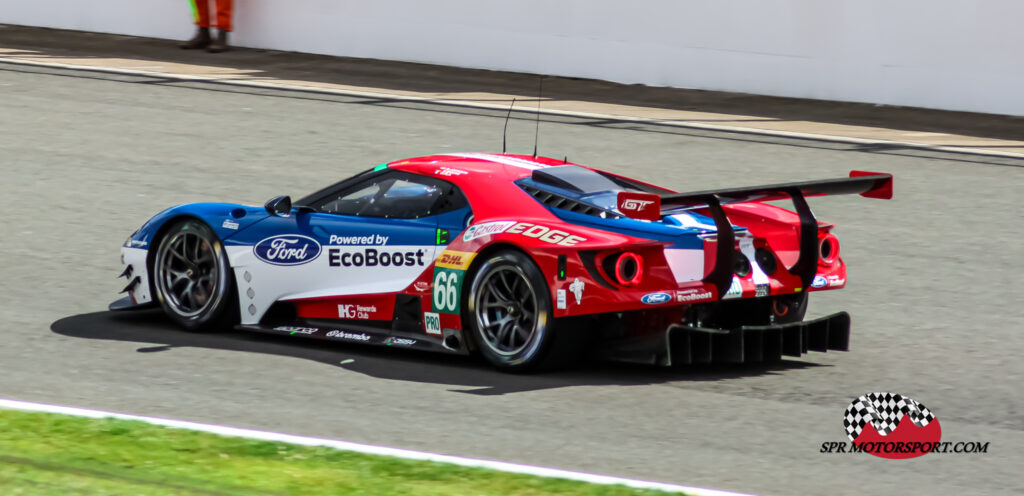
446,295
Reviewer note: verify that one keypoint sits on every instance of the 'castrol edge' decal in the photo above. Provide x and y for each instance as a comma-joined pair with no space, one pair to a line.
543,233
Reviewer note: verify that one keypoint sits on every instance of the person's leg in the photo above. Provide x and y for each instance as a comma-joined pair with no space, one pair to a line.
201,12
224,14
201,16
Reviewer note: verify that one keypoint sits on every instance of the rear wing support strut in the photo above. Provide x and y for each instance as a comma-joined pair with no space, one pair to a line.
867,184
721,274
806,265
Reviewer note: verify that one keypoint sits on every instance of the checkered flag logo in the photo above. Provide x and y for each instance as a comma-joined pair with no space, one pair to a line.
884,411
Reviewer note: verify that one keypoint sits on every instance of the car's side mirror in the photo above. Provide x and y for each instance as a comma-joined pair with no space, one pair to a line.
280,206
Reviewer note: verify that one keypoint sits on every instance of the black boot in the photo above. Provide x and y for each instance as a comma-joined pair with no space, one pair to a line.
200,40
220,44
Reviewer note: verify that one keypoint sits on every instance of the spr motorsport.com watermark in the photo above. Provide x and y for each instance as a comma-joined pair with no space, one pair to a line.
891,425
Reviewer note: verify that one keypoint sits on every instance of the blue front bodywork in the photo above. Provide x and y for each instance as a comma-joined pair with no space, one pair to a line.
226,219
230,220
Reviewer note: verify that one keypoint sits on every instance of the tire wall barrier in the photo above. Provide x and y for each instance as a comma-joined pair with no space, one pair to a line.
947,54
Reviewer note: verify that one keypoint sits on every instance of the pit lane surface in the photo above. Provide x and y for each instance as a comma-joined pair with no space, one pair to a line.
934,292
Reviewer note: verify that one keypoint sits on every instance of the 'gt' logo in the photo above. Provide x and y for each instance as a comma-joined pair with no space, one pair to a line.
635,204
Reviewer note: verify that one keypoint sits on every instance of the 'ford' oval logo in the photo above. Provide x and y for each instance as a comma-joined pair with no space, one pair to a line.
819,282
287,249
656,298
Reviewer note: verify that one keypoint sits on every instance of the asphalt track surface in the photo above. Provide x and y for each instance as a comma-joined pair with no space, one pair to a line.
934,291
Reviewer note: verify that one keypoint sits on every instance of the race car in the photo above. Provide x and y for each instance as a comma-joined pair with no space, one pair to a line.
527,261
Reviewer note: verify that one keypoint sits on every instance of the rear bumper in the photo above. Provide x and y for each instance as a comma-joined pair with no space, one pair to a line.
684,345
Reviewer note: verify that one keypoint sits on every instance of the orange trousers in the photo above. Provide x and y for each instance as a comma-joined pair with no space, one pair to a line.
201,12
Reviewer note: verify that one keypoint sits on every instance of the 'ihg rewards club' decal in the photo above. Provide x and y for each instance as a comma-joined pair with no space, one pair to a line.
890,425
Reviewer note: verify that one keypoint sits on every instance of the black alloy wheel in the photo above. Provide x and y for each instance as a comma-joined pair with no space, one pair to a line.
192,278
508,310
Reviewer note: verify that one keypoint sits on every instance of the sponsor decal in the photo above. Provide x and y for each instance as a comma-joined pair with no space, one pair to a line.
352,336
447,290
366,239
762,290
137,243
577,289
356,311
835,280
735,289
560,299
449,273
371,257
545,234
432,323
287,249
448,171
694,295
819,282
297,330
421,286
399,341
455,259
656,298
645,206
486,229
229,224
894,426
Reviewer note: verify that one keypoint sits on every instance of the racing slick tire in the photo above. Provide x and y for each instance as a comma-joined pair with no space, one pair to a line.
192,279
509,314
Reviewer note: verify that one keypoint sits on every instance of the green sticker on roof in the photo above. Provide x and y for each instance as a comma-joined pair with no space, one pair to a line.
380,167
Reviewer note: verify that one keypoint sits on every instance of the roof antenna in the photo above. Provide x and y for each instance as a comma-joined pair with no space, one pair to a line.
504,134
536,134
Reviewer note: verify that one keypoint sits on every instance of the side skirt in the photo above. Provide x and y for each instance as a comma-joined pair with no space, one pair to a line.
450,341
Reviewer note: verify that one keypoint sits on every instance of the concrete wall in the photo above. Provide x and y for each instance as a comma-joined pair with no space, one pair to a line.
951,54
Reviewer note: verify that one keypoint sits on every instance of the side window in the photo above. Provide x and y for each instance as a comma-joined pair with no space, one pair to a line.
352,203
394,195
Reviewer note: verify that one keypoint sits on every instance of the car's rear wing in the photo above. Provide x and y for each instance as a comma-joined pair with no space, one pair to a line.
652,206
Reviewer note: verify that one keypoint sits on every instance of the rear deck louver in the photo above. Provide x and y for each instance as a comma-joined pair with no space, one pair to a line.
554,200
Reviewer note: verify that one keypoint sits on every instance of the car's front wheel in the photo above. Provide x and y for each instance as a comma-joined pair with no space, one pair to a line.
509,312
192,278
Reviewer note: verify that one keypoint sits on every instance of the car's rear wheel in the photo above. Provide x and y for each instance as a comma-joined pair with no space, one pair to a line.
509,312
191,277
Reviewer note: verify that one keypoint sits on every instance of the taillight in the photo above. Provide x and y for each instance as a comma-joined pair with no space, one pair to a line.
741,266
629,269
828,249
766,260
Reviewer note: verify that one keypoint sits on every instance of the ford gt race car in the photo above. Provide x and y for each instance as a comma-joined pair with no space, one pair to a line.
527,261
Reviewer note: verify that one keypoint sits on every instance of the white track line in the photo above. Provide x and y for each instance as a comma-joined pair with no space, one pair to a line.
368,449
494,106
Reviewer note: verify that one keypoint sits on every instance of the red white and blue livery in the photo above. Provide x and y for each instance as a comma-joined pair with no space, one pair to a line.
528,261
